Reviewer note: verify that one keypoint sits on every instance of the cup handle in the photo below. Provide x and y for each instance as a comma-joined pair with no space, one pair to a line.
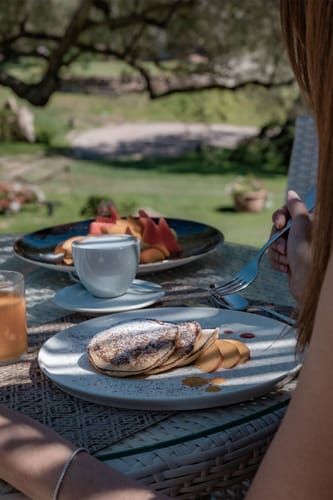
74,277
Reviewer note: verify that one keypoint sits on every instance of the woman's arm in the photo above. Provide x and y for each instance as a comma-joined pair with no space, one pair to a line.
32,458
298,464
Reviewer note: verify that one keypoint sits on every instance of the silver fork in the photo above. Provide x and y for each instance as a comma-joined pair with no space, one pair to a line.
249,272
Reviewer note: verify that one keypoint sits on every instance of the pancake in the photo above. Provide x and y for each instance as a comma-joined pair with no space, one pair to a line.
133,346
203,341
185,344
148,346
117,373
137,346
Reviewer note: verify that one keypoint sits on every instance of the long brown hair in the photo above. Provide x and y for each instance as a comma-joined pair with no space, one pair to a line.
307,26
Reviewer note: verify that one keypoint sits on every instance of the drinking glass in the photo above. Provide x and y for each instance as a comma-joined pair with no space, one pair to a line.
13,323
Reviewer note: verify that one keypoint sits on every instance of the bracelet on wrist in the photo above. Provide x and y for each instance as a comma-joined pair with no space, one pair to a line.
64,471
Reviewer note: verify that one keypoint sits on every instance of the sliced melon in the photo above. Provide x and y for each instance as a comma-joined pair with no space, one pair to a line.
151,235
209,360
143,213
135,226
168,237
230,353
151,254
114,215
118,227
243,349
103,218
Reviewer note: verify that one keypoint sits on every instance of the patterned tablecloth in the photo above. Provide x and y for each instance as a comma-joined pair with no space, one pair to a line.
24,387
184,285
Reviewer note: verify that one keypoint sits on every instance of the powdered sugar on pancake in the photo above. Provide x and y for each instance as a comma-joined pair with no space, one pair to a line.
133,346
185,342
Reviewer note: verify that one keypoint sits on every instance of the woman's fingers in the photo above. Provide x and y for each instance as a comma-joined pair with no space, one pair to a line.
278,251
291,253
296,208
278,261
280,218
302,223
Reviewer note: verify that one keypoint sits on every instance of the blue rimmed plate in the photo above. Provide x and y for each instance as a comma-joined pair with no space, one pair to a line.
195,238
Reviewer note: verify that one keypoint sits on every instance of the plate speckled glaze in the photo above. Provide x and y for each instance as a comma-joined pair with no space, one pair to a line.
64,360
140,294
196,240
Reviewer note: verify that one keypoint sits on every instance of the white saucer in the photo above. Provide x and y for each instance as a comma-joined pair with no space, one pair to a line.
140,294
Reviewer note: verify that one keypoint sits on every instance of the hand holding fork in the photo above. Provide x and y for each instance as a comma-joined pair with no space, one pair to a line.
250,271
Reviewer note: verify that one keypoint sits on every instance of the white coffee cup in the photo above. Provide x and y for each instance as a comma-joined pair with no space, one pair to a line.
106,265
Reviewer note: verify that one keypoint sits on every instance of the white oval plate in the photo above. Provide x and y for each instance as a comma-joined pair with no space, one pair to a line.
63,359
140,294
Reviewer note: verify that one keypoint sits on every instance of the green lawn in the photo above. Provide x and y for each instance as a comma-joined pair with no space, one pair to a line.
177,188
190,187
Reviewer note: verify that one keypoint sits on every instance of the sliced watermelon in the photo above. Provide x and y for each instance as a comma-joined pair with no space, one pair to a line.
168,237
143,213
114,215
107,211
102,208
102,218
151,235
97,228
120,226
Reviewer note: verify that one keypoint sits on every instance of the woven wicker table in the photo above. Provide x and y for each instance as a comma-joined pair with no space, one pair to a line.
187,454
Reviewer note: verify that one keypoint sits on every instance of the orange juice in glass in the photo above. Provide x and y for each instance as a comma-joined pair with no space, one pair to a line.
13,323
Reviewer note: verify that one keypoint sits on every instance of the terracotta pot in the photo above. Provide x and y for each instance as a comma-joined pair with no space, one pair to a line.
251,201
4,205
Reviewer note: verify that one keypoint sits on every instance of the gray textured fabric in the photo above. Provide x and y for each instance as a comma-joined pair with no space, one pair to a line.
25,388
302,171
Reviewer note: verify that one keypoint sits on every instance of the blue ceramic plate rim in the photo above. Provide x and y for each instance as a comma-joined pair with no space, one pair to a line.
197,240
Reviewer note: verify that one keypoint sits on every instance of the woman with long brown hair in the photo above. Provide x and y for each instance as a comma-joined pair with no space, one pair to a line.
298,462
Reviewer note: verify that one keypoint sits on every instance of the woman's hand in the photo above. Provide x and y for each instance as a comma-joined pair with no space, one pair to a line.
293,255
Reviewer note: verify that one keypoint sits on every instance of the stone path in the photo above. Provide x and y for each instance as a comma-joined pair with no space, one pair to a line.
135,140
140,140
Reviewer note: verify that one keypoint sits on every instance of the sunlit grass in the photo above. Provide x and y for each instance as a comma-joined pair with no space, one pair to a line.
195,196
191,186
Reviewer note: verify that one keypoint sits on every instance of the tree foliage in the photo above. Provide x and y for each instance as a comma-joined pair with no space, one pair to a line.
194,44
